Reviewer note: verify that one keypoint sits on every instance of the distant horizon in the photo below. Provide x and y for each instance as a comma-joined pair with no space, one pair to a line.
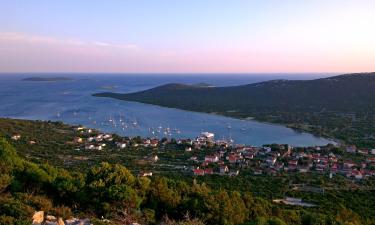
182,73
165,36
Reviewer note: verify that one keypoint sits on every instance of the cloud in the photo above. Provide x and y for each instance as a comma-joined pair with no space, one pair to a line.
46,40
20,52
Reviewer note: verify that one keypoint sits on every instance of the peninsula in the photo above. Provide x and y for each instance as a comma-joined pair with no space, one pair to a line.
339,107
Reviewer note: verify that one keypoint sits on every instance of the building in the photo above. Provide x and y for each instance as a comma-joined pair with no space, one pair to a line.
16,137
224,169
351,149
121,145
209,171
208,135
198,172
211,158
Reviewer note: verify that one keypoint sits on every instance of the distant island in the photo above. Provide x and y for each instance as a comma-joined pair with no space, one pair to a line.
47,79
340,107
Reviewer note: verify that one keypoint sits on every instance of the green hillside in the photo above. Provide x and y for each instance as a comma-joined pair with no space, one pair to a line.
340,107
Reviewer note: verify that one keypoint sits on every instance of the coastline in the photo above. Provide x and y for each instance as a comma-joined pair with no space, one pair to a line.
254,119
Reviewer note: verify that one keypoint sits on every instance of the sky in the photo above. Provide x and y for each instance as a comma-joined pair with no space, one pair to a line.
195,36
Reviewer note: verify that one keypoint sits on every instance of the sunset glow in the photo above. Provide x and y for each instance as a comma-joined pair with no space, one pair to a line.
191,36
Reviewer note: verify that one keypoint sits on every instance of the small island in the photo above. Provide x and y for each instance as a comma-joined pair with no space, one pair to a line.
47,79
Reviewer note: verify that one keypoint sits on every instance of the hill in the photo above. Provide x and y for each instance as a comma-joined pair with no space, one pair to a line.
341,106
43,176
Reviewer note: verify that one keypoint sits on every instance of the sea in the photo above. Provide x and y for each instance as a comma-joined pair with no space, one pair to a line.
72,102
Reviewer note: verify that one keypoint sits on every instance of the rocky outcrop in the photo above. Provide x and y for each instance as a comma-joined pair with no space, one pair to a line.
40,219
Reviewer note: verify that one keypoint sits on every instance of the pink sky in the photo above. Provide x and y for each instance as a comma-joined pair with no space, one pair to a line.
317,36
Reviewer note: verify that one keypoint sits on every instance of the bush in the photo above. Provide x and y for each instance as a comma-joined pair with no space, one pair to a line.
62,211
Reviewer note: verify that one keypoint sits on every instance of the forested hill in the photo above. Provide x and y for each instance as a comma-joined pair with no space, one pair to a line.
344,93
320,106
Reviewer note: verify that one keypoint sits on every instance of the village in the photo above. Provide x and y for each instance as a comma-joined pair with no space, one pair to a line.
209,156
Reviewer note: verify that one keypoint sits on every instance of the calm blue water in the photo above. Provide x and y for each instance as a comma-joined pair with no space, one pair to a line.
71,102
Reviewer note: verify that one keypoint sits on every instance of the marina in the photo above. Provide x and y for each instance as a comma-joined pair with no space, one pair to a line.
72,103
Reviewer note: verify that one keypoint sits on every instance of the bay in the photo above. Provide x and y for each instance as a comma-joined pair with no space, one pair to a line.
72,103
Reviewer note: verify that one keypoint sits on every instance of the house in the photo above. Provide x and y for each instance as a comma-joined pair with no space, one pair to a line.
248,155
194,158
334,168
198,172
363,151
233,159
154,142
293,162
78,140
211,158
356,174
146,142
146,174
258,172
108,137
291,168
303,169
321,167
209,171
271,171
99,138
293,201
373,151
271,160
223,169
155,158
32,142
79,128
234,173
89,147
121,145
16,137
351,149
188,149
278,166
349,164
267,149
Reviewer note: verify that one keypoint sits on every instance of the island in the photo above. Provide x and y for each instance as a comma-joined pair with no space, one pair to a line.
48,79
340,107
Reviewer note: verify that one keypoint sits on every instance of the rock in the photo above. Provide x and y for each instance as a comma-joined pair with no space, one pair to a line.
38,218
60,221
75,221
50,223
50,218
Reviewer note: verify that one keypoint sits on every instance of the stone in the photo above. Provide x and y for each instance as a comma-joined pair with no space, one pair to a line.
60,221
50,218
38,217
50,223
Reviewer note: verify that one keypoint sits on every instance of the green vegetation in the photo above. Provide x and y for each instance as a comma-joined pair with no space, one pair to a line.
340,107
32,177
